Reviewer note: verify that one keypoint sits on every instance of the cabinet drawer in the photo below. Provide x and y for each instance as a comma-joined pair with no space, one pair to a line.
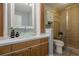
44,40
33,42
19,46
5,49
25,44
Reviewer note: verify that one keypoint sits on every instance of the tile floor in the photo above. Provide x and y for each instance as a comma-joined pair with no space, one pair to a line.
67,53
70,53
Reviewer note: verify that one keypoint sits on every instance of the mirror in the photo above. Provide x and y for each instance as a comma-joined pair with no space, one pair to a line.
23,15
17,22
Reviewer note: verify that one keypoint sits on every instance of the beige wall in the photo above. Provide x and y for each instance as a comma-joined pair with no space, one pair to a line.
56,23
63,24
54,15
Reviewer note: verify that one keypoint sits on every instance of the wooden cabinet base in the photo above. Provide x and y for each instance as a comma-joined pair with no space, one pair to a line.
5,49
33,48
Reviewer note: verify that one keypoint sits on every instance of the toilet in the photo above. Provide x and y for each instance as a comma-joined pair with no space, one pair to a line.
59,45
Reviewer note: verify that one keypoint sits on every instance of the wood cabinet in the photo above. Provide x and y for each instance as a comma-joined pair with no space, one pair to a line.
43,40
33,42
38,47
20,53
35,50
5,49
19,46
25,52
44,49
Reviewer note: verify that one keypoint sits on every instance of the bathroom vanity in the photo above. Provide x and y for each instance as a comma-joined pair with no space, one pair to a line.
24,18
32,46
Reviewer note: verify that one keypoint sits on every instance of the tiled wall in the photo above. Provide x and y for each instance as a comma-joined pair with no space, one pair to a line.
53,15
56,23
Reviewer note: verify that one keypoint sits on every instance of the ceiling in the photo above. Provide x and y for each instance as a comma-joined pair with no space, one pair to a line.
59,6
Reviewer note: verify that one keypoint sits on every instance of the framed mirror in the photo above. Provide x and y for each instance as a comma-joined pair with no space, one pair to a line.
22,15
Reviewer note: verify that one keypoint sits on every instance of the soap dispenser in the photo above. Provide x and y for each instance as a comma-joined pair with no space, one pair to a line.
12,35
17,34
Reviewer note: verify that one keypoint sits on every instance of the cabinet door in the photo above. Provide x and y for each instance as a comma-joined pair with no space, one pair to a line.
22,53
5,49
19,46
44,49
35,50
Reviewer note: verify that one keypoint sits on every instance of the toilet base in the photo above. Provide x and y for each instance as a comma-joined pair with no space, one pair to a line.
59,50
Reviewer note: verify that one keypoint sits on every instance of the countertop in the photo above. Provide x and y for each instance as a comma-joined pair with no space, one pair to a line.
8,41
